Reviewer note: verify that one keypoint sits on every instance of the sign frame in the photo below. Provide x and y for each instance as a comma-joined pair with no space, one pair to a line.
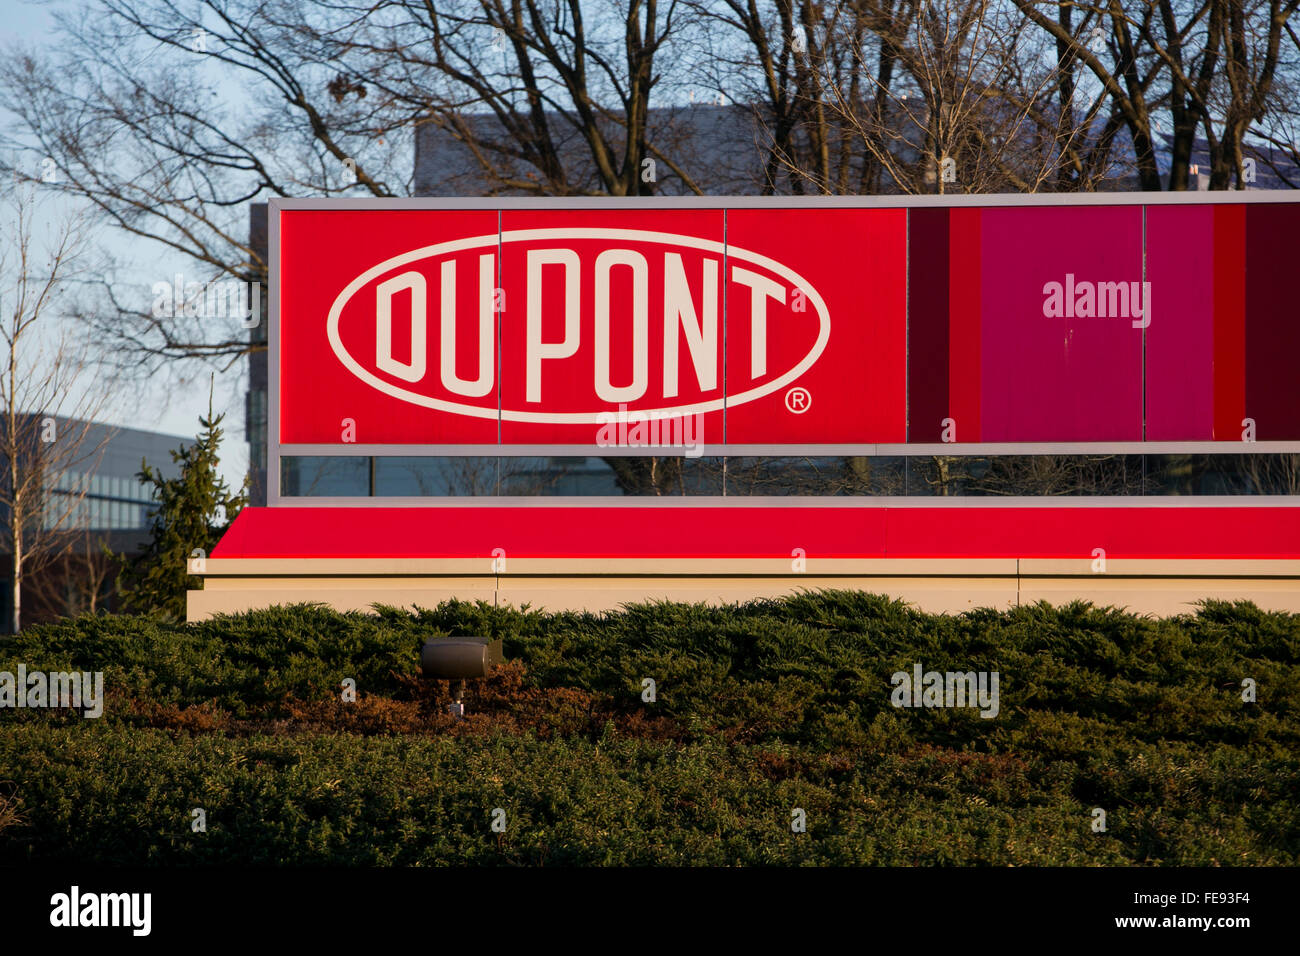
277,451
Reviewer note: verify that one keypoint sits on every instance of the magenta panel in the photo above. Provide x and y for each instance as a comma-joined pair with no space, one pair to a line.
1272,321
1180,339
1061,377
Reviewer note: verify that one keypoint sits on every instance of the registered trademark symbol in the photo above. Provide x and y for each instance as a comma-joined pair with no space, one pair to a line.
798,400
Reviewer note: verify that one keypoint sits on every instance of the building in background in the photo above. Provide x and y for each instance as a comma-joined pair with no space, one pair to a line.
110,507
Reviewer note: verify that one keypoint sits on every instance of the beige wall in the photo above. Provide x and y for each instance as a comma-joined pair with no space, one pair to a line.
1151,587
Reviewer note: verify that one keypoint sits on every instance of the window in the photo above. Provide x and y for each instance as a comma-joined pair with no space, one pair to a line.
1055,476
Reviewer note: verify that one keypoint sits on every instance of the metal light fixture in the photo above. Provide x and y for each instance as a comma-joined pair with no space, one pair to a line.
460,659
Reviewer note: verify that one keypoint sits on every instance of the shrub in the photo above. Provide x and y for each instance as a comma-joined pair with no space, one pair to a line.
761,708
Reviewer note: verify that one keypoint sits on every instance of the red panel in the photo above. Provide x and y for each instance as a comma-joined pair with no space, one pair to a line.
1182,532
928,308
763,532
321,254
1229,321
1272,321
964,265
626,531
565,390
853,260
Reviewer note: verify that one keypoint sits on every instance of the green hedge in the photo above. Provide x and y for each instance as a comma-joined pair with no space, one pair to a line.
761,708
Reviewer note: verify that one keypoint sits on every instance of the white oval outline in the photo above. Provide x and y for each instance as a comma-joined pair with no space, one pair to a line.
576,418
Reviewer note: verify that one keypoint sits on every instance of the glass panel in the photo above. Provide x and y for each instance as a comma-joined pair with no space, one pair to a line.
1027,475
613,476
419,477
322,476
1223,474
1053,476
815,476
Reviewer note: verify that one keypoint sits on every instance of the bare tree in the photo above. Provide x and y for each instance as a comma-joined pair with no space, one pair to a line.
48,395
130,114
1279,134
1219,59
84,579
890,96
549,73
1252,38
779,57
969,113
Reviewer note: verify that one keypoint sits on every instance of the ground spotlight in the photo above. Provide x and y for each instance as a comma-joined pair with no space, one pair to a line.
459,659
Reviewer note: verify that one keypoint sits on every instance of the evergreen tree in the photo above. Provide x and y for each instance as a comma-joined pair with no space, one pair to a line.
193,512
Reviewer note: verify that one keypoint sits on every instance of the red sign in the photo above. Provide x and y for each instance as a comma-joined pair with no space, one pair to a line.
361,337
1016,321
599,327
853,389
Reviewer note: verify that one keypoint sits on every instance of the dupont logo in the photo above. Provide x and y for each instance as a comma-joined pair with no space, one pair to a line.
591,320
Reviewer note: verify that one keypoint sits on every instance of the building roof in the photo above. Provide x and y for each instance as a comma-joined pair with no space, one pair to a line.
722,148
